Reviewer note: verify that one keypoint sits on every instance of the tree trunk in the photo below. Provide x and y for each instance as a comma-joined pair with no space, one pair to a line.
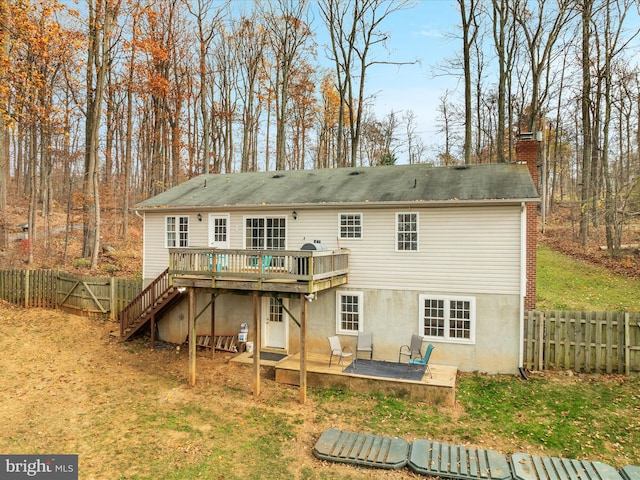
101,20
585,191
469,32
5,48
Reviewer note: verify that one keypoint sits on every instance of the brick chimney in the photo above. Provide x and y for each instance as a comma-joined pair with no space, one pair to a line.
527,149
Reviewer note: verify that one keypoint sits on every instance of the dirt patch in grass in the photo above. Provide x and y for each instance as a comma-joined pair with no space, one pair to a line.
69,386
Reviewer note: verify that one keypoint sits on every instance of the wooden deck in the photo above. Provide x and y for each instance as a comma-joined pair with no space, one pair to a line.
439,390
284,271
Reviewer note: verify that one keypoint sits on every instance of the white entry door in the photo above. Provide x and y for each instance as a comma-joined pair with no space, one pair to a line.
275,323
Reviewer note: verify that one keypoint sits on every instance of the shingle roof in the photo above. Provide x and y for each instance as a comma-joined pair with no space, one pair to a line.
406,184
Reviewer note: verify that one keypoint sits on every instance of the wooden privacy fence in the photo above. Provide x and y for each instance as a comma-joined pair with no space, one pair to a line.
83,295
603,342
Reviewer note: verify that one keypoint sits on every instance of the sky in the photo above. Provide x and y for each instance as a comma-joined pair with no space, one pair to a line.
428,32
422,33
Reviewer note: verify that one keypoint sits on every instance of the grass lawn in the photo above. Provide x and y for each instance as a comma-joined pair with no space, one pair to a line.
564,283
68,386
587,417
129,413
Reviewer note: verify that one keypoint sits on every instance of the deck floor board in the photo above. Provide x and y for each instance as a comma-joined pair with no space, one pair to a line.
437,389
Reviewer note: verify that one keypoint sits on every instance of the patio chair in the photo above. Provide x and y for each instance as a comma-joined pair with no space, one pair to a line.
424,360
264,262
338,351
413,350
222,262
364,344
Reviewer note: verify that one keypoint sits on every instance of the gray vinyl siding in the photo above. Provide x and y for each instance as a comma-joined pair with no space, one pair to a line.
155,257
461,249
156,254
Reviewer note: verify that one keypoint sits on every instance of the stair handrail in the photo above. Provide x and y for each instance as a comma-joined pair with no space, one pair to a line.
145,300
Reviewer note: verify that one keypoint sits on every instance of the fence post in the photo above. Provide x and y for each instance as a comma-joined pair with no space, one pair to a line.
627,347
541,321
26,289
57,287
112,300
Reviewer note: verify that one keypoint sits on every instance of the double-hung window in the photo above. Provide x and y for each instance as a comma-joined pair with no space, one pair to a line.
177,231
350,225
407,232
349,315
448,318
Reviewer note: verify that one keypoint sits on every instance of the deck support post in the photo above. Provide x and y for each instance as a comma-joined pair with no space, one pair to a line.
153,331
303,350
213,325
256,344
192,336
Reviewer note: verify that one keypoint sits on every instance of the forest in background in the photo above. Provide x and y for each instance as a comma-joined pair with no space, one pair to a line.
107,102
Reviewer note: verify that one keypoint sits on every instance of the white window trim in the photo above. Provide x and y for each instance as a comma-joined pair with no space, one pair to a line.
395,239
210,232
340,225
177,232
339,329
448,299
265,217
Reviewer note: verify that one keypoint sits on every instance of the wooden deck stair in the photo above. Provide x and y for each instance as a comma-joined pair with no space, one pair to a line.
158,296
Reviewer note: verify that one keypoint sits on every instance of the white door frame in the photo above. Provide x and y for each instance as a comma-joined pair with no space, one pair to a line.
271,338
223,237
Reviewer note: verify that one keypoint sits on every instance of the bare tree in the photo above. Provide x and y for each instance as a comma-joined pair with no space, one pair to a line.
470,29
415,145
541,29
224,102
504,39
207,24
446,125
586,7
354,29
5,47
102,19
250,43
288,32
615,13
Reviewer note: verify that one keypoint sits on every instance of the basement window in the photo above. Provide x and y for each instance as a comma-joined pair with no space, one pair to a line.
447,318
349,318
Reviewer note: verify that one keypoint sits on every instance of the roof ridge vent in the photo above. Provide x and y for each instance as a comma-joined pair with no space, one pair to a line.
461,167
356,172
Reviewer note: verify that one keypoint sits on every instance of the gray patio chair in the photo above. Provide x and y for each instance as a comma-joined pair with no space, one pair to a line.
338,351
413,350
364,344
424,360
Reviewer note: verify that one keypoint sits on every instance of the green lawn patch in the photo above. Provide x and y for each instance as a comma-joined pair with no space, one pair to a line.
564,283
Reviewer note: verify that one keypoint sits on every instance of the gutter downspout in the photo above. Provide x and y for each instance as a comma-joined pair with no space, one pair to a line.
523,286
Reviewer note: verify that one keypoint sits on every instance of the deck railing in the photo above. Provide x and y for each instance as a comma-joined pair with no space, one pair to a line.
302,265
135,310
